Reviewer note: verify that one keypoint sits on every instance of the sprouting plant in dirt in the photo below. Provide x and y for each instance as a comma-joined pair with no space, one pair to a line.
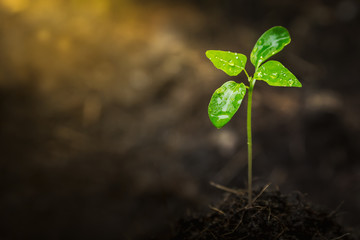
226,100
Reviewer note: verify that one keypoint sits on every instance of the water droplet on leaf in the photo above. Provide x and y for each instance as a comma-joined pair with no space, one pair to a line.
274,75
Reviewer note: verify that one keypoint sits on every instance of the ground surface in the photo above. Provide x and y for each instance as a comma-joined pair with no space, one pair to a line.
104,131
271,216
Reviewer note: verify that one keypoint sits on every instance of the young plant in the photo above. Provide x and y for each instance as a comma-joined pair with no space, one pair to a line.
226,100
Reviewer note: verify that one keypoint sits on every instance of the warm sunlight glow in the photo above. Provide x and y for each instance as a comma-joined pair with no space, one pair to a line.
15,5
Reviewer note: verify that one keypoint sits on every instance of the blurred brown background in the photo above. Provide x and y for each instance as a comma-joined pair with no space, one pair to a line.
104,131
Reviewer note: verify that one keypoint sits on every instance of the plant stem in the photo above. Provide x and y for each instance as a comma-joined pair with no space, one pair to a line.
249,139
246,73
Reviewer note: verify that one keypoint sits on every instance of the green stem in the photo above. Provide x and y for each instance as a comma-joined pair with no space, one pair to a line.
247,74
249,137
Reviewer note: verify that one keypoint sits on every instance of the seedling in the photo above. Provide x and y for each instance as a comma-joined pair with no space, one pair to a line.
227,99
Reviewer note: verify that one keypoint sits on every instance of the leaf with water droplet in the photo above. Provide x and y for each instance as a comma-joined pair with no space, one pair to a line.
231,63
270,43
275,74
225,102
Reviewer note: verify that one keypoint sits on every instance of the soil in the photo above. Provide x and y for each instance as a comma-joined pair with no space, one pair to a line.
272,216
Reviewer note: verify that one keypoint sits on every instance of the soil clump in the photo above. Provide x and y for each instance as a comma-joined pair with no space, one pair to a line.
273,215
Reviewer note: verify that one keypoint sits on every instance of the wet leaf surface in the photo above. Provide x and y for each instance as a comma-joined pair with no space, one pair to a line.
231,63
270,43
225,102
275,74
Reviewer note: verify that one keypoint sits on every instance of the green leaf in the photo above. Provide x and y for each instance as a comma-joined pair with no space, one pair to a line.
231,63
275,74
270,43
225,102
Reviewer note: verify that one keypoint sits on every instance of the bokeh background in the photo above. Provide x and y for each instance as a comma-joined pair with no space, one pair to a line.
104,131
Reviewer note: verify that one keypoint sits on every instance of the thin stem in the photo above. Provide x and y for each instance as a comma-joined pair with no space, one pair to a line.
247,74
249,137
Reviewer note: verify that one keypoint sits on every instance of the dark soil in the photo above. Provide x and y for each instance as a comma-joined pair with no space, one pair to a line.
272,216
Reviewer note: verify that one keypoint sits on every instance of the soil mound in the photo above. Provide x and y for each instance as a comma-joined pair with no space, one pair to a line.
272,216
